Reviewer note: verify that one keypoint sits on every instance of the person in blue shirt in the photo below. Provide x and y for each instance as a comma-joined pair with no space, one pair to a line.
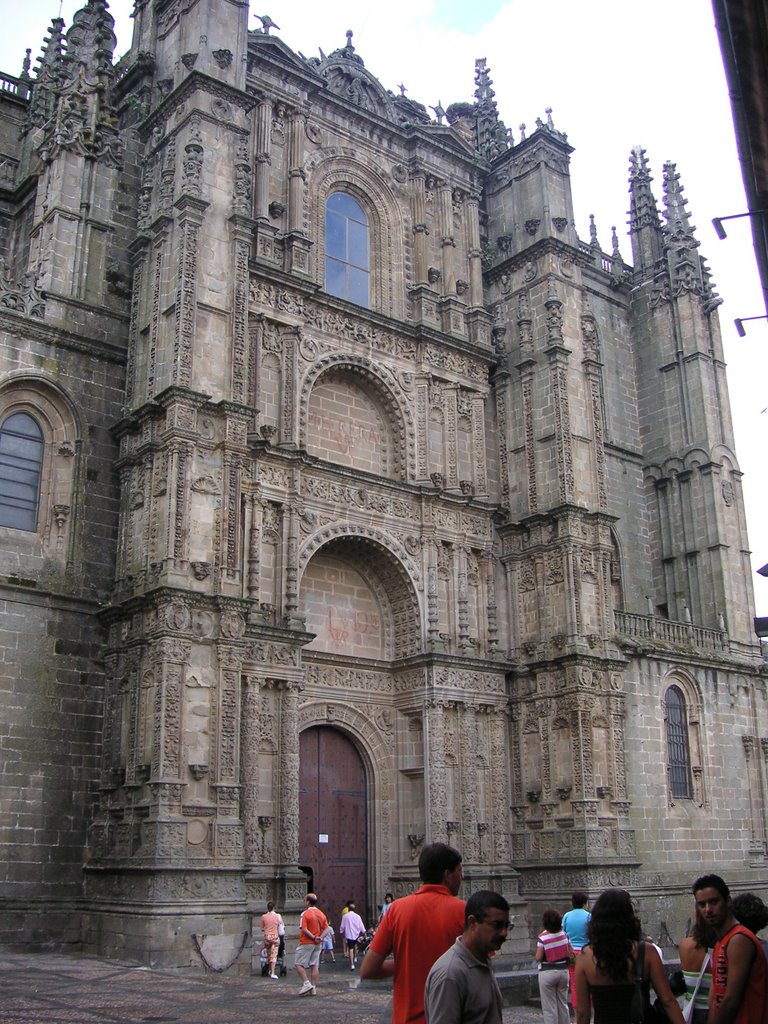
575,927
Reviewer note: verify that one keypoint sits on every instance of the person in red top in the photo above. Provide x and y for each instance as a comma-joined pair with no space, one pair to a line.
739,993
416,930
313,925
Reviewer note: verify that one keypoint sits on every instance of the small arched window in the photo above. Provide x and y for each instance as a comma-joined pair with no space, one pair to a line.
346,249
678,751
21,461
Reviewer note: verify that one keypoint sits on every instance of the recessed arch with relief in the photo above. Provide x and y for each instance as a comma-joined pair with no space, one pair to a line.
352,413
357,597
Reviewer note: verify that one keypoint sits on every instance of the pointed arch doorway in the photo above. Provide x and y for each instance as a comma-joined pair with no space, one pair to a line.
333,823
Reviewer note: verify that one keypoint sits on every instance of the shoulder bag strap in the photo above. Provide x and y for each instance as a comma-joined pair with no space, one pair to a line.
689,1006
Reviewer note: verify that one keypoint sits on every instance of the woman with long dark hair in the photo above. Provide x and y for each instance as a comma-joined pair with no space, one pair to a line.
614,964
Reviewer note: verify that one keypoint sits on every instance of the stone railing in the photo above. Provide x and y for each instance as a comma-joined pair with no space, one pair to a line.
679,634
14,86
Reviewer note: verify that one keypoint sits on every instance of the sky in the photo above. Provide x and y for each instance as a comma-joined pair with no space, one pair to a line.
615,74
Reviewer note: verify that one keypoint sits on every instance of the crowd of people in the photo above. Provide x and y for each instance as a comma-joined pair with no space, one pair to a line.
594,964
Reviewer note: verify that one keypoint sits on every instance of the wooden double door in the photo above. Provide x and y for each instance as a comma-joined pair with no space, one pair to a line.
333,822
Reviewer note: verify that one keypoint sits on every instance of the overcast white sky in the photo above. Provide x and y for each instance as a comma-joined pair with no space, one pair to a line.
615,74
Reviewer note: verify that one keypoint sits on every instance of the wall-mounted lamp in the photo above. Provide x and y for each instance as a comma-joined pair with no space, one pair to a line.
740,321
717,222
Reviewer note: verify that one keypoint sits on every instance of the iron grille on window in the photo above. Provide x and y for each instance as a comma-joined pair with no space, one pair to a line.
21,460
678,754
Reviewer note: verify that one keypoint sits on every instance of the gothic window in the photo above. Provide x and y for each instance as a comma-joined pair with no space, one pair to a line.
347,273
678,752
21,460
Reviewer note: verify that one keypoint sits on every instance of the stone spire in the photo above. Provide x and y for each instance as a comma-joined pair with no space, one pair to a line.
687,270
83,119
644,223
48,75
491,136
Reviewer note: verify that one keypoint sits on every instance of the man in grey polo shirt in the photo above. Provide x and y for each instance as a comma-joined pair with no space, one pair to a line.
461,987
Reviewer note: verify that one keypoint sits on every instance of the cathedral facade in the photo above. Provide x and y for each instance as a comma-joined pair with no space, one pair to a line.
348,502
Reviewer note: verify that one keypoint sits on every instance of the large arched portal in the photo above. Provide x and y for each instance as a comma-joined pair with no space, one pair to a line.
333,841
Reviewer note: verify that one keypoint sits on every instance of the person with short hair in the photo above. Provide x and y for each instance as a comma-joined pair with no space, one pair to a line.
353,929
554,954
739,993
575,923
416,930
313,927
461,987
749,910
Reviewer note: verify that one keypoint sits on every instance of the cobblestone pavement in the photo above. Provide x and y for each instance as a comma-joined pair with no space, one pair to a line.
60,989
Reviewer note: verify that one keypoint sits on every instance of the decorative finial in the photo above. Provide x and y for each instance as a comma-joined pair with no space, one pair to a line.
593,232
522,132
439,112
403,90
266,23
550,122
349,48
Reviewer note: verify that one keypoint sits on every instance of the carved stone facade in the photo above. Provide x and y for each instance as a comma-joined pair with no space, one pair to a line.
482,523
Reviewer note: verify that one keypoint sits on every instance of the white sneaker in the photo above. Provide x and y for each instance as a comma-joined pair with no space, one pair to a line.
314,990
306,988
273,976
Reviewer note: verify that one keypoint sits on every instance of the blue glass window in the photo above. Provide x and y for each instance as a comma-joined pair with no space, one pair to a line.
346,249
678,754
21,461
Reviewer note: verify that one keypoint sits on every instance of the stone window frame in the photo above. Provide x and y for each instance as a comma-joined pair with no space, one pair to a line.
57,418
388,220
693,707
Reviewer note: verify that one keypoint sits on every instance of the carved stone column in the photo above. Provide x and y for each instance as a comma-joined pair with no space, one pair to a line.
169,659
479,475
291,525
249,769
289,417
262,156
450,409
491,606
474,252
254,555
296,175
500,785
462,598
470,837
447,242
191,215
420,230
434,756
288,828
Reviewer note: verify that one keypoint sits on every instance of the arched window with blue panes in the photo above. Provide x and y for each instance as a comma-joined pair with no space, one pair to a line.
347,262
21,463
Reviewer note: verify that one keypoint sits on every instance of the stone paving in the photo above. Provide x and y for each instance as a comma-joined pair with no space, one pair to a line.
61,989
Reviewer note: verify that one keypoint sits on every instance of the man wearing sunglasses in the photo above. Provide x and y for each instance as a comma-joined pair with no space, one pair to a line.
461,987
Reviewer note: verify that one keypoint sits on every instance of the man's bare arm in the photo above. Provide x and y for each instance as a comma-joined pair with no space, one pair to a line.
375,966
741,954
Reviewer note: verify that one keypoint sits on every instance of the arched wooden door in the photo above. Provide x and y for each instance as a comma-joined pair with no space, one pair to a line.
332,820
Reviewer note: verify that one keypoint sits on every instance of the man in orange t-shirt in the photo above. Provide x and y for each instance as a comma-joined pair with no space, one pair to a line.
416,930
313,926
